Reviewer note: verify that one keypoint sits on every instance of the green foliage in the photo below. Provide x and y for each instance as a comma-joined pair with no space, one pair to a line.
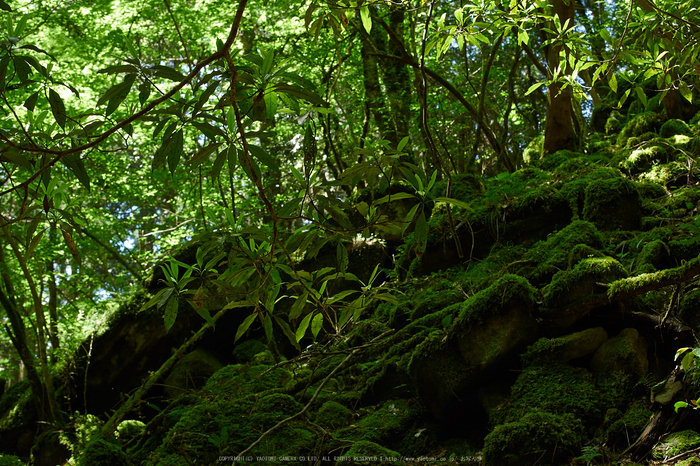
10,460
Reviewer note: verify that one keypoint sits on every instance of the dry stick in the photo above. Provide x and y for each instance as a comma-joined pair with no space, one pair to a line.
313,398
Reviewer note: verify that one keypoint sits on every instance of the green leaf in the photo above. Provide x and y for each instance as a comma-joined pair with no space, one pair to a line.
119,69
686,92
117,89
287,331
366,18
245,325
268,60
219,163
22,67
18,159
680,404
394,197
175,151
402,144
205,314
316,325
4,6
612,82
270,103
166,72
455,202
76,165
267,325
298,306
301,93
534,87
57,108
263,156
641,95
303,326
342,257
144,92
170,312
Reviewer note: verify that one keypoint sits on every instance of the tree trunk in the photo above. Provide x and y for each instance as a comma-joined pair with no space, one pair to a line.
559,126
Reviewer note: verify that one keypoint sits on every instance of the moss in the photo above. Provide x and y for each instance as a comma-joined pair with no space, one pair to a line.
533,150
651,280
557,389
650,190
676,443
246,350
508,291
612,204
10,460
103,453
366,452
614,123
623,431
638,125
553,254
543,352
690,309
651,257
568,288
665,174
536,435
386,424
333,415
580,252
127,430
673,127
643,158
271,409
554,160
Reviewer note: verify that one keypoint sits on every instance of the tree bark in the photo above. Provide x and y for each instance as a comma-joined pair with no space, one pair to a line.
559,126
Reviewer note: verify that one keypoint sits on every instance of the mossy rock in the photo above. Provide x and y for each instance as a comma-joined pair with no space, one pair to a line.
629,426
570,288
676,443
643,123
557,389
536,435
653,256
614,123
245,351
365,452
672,173
103,453
673,127
191,372
690,309
552,161
333,415
553,254
533,150
612,204
563,349
644,157
129,429
390,423
626,353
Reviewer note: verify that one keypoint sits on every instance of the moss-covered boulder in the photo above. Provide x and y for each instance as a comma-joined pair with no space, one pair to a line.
103,453
191,372
550,256
489,328
612,204
626,353
623,429
537,436
10,460
365,452
565,348
673,127
565,300
332,415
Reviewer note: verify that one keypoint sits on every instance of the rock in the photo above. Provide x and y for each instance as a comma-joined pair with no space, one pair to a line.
626,353
612,204
490,328
675,444
565,299
564,349
191,372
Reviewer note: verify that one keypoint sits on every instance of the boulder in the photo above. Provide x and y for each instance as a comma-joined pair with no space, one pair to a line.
626,353
191,372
